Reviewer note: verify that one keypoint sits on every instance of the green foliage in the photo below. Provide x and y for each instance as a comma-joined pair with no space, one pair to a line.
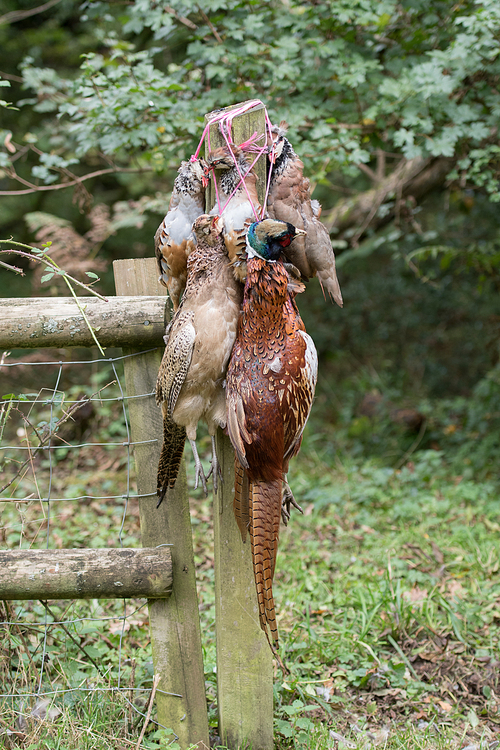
347,76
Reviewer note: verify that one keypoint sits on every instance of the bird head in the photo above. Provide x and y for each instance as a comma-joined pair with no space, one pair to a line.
197,169
208,228
266,239
220,158
278,140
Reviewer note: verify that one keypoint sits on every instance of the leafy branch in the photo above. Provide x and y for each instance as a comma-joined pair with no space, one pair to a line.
40,256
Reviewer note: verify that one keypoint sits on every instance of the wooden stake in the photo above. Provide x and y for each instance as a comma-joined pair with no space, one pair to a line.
244,660
175,624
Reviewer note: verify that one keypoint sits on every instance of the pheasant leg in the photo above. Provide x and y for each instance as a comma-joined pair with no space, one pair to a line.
200,474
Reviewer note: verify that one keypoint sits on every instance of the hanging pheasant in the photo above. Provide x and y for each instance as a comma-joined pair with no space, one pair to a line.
238,202
270,387
290,200
200,340
174,237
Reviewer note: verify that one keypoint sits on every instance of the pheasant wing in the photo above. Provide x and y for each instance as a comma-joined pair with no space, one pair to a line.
176,361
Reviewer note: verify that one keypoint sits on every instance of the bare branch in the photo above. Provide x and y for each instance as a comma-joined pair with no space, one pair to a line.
45,438
10,77
415,177
210,25
180,18
19,15
71,183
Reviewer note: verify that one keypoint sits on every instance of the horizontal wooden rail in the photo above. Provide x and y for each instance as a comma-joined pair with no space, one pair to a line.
56,321
85,573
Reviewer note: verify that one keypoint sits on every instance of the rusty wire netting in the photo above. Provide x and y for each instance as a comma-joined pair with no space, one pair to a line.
67,481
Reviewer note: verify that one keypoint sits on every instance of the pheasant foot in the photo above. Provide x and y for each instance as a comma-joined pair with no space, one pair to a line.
215,468
287,502
200,474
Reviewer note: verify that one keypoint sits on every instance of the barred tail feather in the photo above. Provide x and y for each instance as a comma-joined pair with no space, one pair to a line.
170,457
240,502
265,512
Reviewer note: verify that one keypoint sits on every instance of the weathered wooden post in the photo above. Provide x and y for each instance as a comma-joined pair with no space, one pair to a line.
175,623
244,660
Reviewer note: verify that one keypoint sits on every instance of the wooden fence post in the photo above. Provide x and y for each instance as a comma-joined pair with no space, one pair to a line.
175,623
244,660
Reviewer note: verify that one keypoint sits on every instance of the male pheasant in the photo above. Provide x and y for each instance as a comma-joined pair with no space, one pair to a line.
174,237
270,388
200,339
239,203
290,200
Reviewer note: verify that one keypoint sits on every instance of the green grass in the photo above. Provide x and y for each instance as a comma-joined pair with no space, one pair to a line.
387,592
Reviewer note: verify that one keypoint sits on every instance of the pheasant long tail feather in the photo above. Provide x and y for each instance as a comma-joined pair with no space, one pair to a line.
171,455
265,511
240,502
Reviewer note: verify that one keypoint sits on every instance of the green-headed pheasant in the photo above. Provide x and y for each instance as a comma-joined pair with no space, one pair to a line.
270,388
200,338
174,238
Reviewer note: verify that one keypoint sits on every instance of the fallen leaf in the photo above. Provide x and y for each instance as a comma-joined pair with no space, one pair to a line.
438,555
445,706
44,710
415,594
343,741
455,588
472,718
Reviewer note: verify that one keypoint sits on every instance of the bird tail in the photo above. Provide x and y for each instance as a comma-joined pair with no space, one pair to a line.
265,512
328,280
241,500
171,455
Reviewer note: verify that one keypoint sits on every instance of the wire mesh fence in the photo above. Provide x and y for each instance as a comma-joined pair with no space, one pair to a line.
68,481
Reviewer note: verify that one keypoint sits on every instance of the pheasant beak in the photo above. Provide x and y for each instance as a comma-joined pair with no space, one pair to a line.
218,223
299,232
205,179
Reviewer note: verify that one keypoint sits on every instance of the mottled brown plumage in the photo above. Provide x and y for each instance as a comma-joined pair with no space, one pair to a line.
290,200
270,387
199,343
174,238
243,205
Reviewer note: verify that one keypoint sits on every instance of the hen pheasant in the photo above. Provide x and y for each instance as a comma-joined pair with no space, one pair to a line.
239,203
290,200
174,237
200,339
270,388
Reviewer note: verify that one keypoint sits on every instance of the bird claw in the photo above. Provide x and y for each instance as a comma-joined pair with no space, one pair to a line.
287,502
216,472
215,468
200,474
